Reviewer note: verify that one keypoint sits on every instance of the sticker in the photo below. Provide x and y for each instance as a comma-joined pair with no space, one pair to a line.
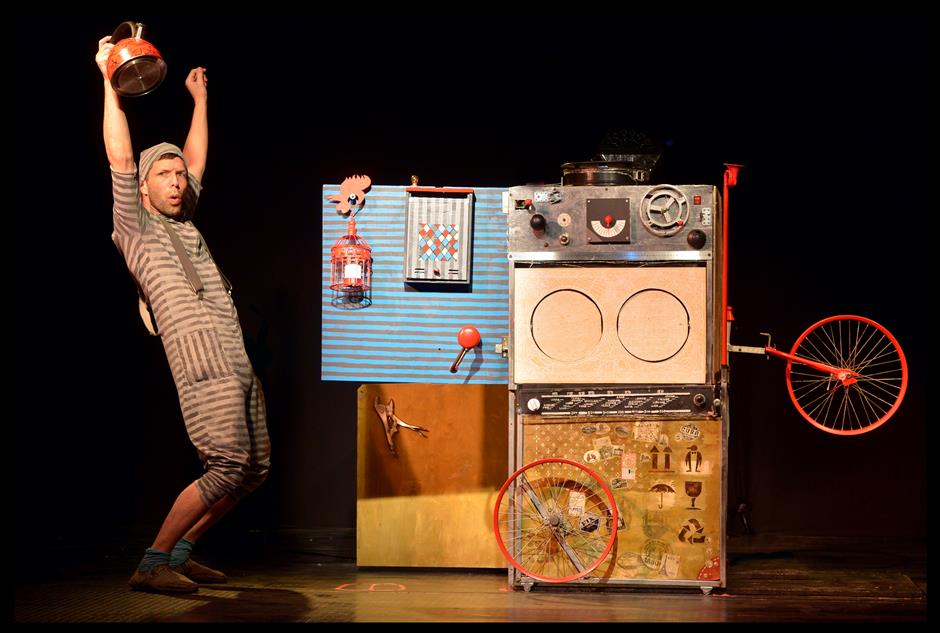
693,460
630,562
693,489
664,439
654,524
692,532
661,460
654,554
671,566
623,521
616,450
603,429
646,431
601,442
576,504
628,466
589,522
588,429
622,431
663,495
607,451
645,458
711,570
592,457
688,433
618,484
540,556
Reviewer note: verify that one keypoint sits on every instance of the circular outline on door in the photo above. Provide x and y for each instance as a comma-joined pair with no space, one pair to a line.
688,319
588,350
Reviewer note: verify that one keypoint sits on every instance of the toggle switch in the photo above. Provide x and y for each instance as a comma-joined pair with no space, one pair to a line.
468,337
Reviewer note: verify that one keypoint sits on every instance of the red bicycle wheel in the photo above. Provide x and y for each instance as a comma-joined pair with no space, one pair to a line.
861,346
555,520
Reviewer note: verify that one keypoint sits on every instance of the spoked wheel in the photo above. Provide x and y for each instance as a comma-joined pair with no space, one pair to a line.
875,385
555,520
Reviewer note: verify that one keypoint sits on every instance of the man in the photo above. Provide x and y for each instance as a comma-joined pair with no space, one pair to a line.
221,398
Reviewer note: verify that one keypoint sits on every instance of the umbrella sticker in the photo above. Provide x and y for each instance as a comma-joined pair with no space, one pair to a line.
662,489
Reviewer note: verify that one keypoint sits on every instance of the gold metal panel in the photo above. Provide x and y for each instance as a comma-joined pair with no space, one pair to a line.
431,504
666,478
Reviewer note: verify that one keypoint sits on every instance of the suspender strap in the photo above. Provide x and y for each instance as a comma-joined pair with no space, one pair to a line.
225,282
187,263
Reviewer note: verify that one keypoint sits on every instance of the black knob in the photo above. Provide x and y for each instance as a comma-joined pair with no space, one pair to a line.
537,222
696,238
698,400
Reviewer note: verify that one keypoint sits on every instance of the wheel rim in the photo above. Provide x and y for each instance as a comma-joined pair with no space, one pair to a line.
857,344
555,520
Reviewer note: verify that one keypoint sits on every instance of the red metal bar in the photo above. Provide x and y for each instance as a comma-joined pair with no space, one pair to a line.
847,376
730,180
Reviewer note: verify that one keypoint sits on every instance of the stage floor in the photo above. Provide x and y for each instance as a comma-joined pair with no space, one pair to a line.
311,576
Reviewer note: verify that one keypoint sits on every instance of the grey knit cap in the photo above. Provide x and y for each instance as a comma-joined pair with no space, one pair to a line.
150,155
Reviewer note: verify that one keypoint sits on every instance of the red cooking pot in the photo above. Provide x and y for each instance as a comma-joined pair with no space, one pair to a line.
135,66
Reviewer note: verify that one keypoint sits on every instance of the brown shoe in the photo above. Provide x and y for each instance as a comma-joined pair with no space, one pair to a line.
200,573
162,579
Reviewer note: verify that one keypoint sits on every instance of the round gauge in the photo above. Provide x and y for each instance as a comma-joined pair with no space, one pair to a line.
564,219
664,210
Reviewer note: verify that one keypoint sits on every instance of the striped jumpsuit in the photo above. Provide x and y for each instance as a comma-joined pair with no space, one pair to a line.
220,395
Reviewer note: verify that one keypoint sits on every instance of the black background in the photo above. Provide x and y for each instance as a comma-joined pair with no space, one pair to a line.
832,215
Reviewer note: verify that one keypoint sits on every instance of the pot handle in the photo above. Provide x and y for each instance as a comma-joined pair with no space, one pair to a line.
127,29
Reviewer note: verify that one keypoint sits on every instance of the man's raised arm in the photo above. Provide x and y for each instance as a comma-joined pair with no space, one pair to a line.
117,136
197,141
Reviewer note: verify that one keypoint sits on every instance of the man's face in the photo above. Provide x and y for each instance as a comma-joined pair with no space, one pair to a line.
163,189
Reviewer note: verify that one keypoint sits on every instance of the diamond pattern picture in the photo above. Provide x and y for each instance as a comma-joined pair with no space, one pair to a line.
438,242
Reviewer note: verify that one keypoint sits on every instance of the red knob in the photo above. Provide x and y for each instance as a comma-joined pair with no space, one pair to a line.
468,337
608,221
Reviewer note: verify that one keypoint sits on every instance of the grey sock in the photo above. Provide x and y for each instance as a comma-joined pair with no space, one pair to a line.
181,552
152,558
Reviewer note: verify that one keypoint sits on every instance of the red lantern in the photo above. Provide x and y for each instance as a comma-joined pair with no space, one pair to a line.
351,279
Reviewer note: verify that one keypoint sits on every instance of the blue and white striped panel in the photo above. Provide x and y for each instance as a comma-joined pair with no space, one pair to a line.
410,335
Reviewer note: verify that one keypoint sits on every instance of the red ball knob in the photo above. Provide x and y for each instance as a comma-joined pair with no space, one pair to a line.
468,336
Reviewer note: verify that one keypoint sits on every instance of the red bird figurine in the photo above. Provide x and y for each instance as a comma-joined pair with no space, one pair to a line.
352,193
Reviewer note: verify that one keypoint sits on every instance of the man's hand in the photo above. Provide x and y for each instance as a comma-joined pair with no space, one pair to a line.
196,82
104,51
